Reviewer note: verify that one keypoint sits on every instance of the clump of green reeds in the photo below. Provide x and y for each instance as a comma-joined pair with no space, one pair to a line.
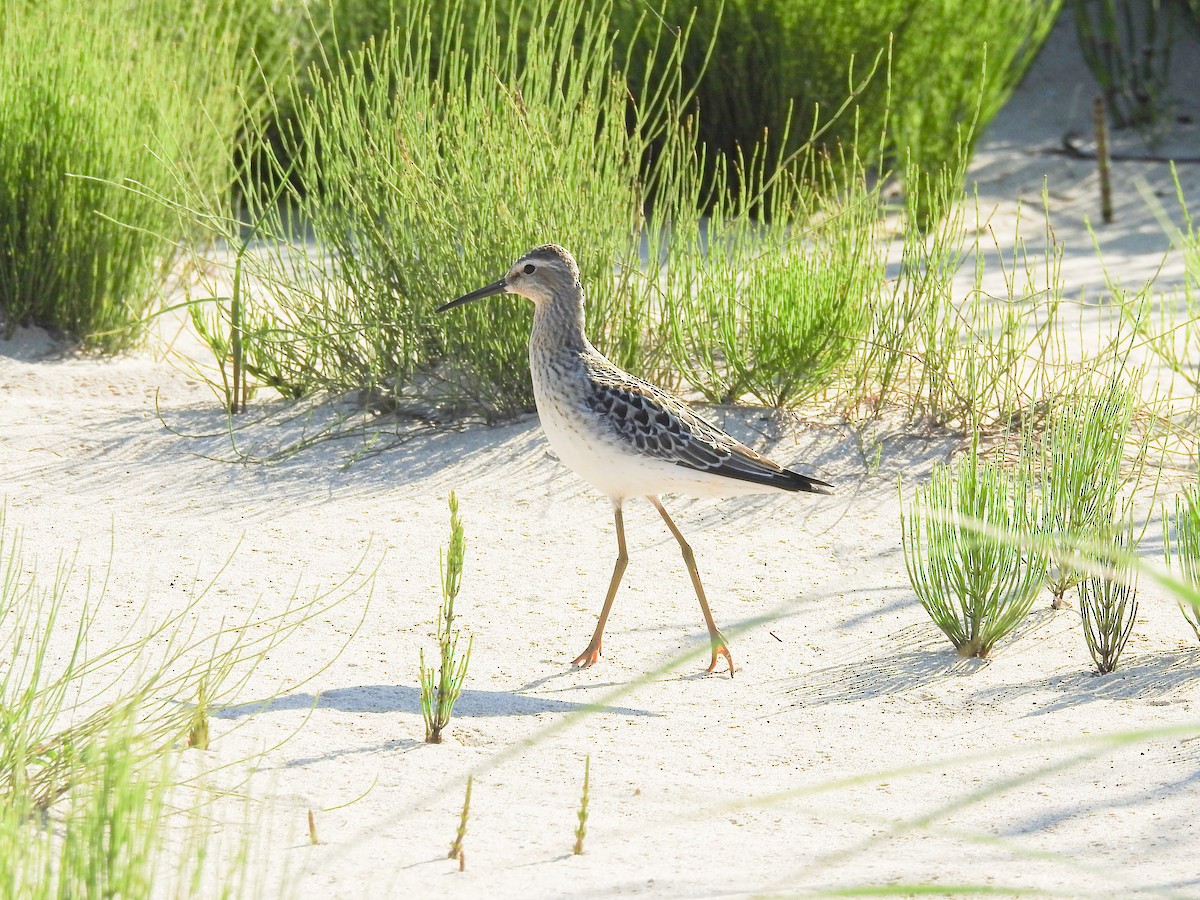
975,581
1108,606
1185,524
773,293
874,58
440,688
1081,457
963,361
421,181
1127,44
105,108
582,815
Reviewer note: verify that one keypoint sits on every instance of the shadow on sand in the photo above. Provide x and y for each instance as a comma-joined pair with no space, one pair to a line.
388,698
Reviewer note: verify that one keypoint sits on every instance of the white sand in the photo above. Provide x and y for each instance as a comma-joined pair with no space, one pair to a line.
852,748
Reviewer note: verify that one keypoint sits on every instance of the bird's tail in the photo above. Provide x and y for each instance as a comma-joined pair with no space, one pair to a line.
798,482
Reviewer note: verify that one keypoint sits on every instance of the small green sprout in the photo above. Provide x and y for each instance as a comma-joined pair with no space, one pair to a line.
1108,605
440,689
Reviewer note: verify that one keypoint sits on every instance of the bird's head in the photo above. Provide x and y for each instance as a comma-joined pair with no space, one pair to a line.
540,275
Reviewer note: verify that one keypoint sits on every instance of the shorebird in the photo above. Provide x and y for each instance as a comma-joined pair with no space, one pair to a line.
624,435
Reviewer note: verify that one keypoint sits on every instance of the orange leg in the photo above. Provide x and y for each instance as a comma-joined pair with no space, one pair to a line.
592,653
719,646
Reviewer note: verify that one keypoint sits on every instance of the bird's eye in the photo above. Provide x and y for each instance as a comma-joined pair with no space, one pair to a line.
529,269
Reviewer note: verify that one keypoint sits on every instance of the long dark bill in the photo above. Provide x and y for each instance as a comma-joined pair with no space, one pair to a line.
494,288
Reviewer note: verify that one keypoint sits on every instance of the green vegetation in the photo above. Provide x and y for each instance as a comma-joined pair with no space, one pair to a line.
869,57
106,109
390,162
757,274
1185,548
765,308
90,738
1127,45
1081,459
973,580
1108,606
440,689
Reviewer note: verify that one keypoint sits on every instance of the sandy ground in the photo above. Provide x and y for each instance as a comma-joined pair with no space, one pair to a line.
853,748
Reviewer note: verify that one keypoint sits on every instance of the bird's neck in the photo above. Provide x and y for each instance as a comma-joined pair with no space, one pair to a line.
558,325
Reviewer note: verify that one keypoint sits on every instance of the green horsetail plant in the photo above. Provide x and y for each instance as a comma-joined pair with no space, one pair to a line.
975,583
1186,526
1081,455
1172,330
773,294
441,128
103,108
1108,606
456,847
1127,45
440,689
581,829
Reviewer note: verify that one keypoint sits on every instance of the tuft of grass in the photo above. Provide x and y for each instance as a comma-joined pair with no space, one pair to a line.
976,585
456,846
1081,458
772,294
970,363
1127,45
1185,524
104,107
868,58
1108,606
440,689
582,815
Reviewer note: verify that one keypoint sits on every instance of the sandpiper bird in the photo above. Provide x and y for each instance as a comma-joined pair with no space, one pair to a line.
619,432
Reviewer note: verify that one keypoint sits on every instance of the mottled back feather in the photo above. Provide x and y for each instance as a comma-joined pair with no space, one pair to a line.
658,425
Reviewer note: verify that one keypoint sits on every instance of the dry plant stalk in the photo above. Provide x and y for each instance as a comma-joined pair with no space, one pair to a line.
312,829
456,848
197,735
1100,118
581,829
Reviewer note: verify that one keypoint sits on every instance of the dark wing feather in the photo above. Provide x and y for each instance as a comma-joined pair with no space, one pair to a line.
662,427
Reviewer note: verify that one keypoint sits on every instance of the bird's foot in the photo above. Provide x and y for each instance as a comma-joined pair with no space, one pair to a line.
720,648
588,657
